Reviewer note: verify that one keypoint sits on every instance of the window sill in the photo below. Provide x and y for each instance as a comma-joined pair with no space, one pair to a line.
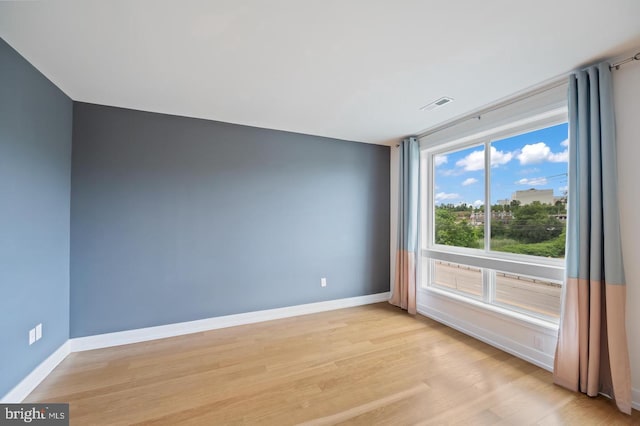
535,323
551,269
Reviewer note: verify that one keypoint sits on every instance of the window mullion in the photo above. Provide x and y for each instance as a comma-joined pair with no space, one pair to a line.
487,195
488,286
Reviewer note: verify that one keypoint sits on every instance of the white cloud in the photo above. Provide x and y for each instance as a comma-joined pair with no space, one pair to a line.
563,189
442,196
499,157
469,181
440,160
565,143
560,157
535,153
478,203
475,160
539,152
539,181
472,162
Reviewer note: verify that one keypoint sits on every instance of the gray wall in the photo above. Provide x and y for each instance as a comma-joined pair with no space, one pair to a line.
176,219
35,169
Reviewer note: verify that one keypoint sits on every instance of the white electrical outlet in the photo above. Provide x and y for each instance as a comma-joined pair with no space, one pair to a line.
32,336
323,282
39,331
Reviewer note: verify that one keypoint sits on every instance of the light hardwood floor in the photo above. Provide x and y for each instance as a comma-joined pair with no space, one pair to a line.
367,365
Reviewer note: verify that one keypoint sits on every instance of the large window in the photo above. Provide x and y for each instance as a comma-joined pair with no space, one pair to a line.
495,216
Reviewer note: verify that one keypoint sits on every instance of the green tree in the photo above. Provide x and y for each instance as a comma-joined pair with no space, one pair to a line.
453,232
533,224
498,229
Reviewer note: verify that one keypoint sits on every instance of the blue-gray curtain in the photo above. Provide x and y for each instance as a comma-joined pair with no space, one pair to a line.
404,287
592,354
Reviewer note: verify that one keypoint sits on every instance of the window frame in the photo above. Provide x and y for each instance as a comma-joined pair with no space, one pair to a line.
489,261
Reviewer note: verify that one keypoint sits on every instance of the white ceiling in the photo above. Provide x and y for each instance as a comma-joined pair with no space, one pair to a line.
350,69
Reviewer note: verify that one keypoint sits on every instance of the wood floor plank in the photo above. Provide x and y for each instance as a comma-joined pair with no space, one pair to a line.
360,366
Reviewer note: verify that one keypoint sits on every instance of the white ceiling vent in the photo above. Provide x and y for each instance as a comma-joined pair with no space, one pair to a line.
437,103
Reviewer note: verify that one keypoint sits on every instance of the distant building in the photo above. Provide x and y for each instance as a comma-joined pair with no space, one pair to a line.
477,218
528,196
504,202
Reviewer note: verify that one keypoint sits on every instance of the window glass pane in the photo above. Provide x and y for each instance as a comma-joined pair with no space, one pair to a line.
459,197
462,278
538,296
529,192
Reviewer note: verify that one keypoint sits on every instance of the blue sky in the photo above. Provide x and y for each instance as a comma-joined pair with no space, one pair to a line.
536,159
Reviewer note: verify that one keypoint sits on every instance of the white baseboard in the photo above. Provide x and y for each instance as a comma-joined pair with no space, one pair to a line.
29,383
501,342
170,330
